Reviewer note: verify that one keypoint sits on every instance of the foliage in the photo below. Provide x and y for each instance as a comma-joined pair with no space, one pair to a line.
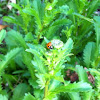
3,8
97,83
19,91
2,35
29,96
30,71
3,97
91,51
49,68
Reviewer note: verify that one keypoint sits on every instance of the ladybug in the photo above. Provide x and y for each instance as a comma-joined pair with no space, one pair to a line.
49,45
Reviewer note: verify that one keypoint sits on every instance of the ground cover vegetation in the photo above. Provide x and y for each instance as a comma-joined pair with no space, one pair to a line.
30,70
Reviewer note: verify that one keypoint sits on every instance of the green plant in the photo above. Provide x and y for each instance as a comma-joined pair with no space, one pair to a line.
46,68
16,46
5,60
96,73
37,18
82,77
81,28
30,71
49,66
4,10
91,51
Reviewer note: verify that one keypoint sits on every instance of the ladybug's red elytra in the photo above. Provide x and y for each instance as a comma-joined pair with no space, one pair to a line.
49,45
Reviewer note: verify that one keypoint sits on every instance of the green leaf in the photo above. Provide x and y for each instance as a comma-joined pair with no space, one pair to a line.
39,93
83,17
9,79
75,87
37,62
53,84
29,37
29,97
33,12
46,40
10,19
83,77
33,83
61,22
68,45
41,80
19,61
97,29
3,97
88,54
51,31
1,57
2,35
19,91
10,55
74,96
0,84
64,9
93,5
81,73
55,26
87,95
39,6
28,63
15,39
59,78
16,6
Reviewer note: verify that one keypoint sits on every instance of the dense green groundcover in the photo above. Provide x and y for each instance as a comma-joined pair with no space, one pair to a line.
31,71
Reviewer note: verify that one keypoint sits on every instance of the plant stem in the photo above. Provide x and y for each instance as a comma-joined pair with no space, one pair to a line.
46,89
38,38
